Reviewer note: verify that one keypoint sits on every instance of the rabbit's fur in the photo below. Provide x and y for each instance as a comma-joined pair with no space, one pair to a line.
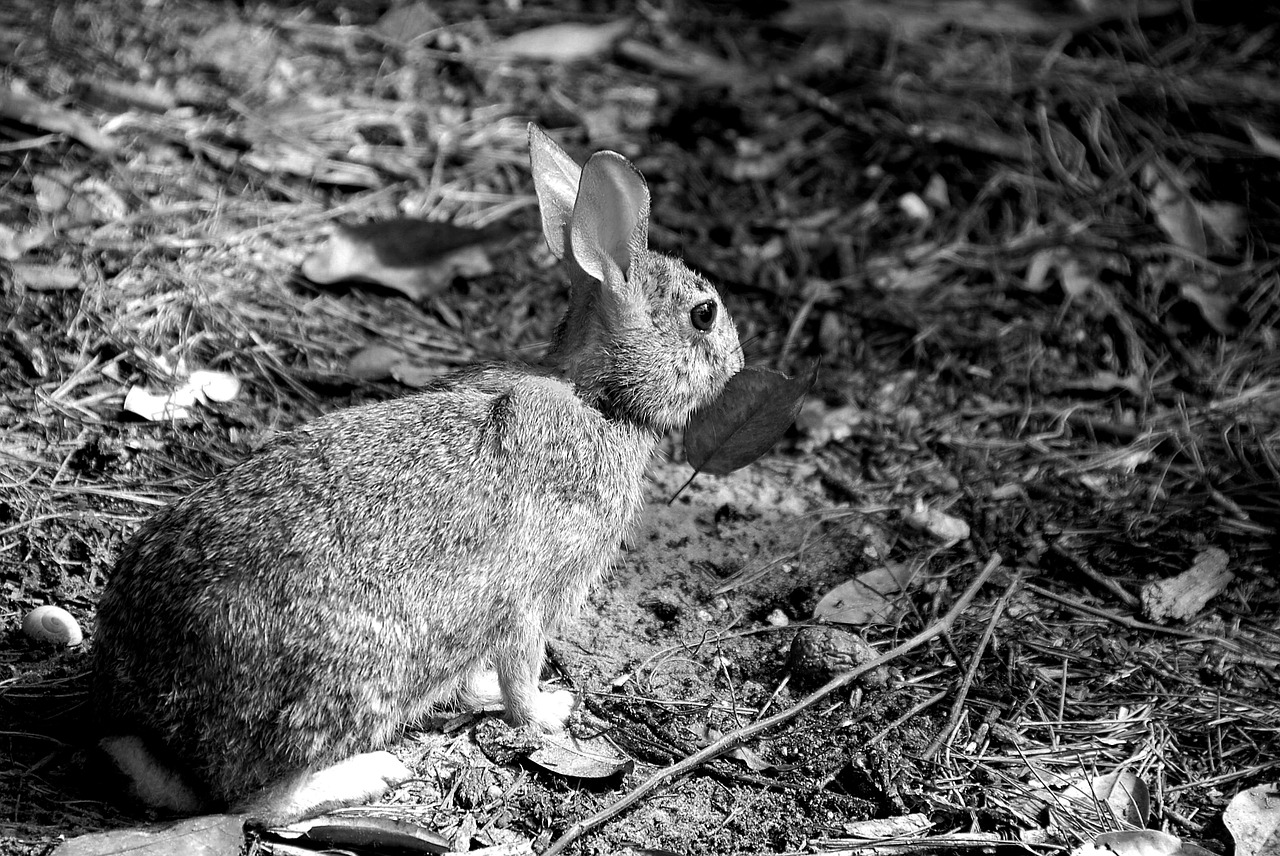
371,566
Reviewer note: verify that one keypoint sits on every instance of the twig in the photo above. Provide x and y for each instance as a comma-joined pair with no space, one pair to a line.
739,736
1134,624
1097,576
957,706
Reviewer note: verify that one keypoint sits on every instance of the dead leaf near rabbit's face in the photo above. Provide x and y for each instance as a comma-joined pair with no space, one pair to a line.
385,561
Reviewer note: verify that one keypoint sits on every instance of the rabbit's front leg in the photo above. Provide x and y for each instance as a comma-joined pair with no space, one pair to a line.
518,664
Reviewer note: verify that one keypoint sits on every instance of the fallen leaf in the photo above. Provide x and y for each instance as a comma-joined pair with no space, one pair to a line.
1217,309
214,386
1198,227
822,425
904,826
940,525
241,53
14,244
566,755
1253,819
1121,793
1140,842
1076,272
365,831
1224,221
752,412
1262,141
18,103
54,277
403,23
414,257
208,835
374,362
160,408
869,598
200,386
561,42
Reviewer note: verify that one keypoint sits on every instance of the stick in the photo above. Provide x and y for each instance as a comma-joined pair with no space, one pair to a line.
740,735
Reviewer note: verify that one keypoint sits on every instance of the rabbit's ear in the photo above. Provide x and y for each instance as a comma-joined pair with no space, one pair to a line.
555,178
610,223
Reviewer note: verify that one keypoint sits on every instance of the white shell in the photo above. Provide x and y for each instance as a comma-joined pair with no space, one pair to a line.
52,624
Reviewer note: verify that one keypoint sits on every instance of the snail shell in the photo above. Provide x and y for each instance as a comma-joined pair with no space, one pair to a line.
52,624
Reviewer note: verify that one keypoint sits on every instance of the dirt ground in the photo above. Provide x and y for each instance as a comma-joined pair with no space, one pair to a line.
1033,253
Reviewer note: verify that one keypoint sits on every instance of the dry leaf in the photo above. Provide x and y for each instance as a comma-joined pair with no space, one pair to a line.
1194,226
404,23
414,257
1264,142
18,103
1140,842
1076,273
583,759
940,525
906,826
365,832
1217,309
561,42
1253,819
1122,793
208,835
201,386
214,386
869,598
822,425
46,277
14,244
374,362
752,412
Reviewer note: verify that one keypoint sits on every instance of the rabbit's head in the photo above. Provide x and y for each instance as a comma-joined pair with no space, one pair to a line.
645,339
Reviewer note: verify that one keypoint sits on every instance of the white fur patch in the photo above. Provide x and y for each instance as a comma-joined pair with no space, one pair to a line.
551,709
352,781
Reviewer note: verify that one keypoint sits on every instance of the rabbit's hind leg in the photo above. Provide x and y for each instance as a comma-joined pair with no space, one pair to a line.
150,781
352,781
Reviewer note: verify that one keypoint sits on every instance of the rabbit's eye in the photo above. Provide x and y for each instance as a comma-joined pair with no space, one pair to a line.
703,316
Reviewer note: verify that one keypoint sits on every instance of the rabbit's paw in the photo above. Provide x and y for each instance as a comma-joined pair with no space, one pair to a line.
551,709
352,781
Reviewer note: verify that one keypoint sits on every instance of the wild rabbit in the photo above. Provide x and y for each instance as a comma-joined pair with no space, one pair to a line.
383,561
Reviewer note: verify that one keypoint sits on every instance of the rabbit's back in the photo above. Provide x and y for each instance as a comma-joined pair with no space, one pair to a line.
309,602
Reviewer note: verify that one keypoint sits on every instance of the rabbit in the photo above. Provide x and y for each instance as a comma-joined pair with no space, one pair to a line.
262,640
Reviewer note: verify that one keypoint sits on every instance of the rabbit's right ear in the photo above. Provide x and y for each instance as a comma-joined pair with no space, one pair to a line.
610,223
555,179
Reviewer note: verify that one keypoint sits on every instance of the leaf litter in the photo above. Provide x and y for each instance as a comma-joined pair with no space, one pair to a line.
1072,352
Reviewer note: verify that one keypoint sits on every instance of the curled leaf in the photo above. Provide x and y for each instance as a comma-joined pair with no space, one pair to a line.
745,420
415,257
365,831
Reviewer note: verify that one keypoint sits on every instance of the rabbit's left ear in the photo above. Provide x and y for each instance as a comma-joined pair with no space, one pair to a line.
610,224
555,179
